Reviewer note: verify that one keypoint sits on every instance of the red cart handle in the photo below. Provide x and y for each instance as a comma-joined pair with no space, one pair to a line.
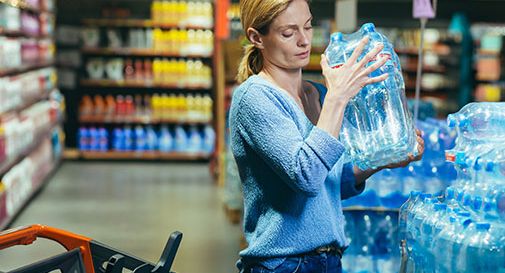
28,234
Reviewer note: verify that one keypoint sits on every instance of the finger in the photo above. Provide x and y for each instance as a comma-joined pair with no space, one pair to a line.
377,79
359,49
419,132
324,63
375,66
371,55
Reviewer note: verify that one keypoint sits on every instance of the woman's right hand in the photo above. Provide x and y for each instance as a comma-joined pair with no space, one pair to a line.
345,82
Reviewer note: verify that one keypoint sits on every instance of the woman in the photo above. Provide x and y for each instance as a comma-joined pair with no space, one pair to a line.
285,142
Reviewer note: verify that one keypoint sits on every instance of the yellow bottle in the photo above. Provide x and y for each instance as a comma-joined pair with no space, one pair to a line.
155,10
157,70
155,105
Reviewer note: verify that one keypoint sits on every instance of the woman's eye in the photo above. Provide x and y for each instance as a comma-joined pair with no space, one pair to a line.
308,27
287,34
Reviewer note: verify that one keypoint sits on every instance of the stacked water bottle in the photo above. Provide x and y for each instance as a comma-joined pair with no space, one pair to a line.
390,188
373,240
147,139
463,230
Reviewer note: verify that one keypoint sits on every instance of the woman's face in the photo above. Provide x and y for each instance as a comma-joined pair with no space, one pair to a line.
287,44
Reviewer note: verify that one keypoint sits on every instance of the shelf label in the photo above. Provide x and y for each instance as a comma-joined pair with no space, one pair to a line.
423,9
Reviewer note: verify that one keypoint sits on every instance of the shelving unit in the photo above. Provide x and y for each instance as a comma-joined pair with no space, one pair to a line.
44,134
148,52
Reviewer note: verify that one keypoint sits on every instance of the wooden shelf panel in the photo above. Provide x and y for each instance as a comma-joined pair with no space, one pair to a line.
105,51
112,155
24,68
138,23
137,84
137,120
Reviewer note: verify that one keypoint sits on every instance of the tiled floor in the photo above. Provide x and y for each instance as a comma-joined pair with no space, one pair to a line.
134,207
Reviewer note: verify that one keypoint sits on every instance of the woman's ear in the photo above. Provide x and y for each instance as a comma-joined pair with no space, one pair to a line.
255,38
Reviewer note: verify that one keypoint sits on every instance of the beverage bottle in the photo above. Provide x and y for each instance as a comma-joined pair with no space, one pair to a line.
377,128
209,139
94,139
128,139
479,251
166,142
194,140
103,140
119,141
151,139
483,120
84,139
181,139
404,210
140,139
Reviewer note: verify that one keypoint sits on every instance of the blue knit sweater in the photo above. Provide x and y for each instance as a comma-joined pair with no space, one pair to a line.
294,174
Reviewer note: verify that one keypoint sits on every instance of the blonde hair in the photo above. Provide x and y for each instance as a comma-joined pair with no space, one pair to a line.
257,14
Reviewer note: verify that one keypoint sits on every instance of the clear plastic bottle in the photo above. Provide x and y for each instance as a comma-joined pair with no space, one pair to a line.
377,128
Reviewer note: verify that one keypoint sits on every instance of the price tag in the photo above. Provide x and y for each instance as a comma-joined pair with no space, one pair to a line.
423,9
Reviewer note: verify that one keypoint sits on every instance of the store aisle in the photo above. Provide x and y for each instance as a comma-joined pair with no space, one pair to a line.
134,207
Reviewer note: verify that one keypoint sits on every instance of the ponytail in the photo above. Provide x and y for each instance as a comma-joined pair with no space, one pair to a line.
251,63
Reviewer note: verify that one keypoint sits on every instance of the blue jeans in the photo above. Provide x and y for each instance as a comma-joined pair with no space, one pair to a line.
321,263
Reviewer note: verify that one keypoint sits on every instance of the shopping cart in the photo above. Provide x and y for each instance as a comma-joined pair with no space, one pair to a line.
85,255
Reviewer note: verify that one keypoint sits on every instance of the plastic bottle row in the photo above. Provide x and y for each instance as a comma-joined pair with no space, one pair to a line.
181,73
373,242
443,237
19,90
14,19
21,180
184,42
182,13
16,52
377,128
144,139
390,188
19,131
191,108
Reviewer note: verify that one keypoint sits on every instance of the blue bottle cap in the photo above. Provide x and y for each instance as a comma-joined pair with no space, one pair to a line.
483,226
464,122
440,206
490,166
452,219
467,199
450,193
460,158
464,214
466,222
477,203
368,27
451,121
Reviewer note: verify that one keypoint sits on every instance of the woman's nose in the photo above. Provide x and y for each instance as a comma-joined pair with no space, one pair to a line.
303,40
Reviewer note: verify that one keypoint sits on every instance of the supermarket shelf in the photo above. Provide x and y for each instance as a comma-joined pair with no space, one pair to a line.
426,69
24,6
24,68
440,50
377,209
137,120
137,84
5,223
28,103
137,52
111,155
137,23
21,34
8,164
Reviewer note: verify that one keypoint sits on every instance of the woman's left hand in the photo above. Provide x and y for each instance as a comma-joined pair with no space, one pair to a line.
411,158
